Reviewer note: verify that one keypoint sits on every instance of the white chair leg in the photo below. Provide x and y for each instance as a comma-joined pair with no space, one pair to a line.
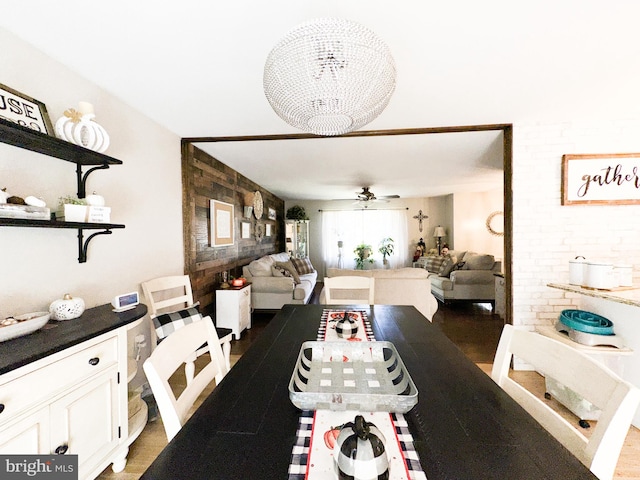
226,350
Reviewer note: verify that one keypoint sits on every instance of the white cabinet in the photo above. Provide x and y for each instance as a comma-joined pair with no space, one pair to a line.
73,401
233,309
297,238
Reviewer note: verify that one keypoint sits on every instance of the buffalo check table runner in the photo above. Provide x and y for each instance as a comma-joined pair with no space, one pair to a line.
312,460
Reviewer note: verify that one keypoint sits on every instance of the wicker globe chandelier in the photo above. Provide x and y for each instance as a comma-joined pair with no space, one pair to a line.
329,76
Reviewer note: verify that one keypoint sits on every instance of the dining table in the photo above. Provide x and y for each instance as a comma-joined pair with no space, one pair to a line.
463,426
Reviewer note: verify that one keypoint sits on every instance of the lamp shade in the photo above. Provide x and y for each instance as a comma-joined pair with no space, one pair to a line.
439,232
329,76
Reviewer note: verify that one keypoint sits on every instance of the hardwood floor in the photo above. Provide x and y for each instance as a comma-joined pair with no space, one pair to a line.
472,327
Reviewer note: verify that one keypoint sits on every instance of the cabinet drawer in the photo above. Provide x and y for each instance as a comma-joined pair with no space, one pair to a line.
38,385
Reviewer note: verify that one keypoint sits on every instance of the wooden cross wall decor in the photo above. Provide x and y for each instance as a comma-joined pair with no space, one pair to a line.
420,217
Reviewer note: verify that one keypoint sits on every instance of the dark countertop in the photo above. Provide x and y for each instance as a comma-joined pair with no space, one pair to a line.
59,335
464,426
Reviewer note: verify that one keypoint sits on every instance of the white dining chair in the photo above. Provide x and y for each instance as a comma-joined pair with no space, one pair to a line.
349,290
170,355
170,296
590,380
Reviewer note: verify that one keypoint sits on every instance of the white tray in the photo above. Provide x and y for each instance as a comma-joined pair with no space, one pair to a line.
24,327
364,376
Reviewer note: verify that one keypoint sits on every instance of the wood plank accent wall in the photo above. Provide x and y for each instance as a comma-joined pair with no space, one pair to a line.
205,178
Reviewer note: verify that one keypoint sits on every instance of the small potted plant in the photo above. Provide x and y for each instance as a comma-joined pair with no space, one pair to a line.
386,249
363,254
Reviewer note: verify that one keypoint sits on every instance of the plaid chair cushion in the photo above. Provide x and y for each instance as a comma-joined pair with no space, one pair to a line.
167,323
303,265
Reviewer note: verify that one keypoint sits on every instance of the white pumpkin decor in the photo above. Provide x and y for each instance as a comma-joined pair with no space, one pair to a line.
4,195
80,128
67,308
95,200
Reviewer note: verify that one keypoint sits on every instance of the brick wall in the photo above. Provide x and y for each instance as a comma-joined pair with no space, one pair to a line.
546,235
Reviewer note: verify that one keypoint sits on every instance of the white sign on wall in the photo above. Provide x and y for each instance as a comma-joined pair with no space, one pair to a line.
601,179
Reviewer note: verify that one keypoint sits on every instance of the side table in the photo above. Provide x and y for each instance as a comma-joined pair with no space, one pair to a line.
233,309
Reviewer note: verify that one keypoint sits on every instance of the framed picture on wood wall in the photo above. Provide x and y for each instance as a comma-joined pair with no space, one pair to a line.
24,110
601,179
222,219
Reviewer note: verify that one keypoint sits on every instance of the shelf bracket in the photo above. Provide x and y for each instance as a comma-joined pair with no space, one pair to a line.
82,179
83,245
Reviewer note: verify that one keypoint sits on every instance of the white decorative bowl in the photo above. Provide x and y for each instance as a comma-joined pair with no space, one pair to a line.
27,323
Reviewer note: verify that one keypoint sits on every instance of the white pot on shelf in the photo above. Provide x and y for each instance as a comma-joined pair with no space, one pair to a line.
75,213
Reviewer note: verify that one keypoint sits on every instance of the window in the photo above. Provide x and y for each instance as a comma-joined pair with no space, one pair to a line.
353,227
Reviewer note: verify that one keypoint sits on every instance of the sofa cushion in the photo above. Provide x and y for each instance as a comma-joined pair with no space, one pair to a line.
290,268
478,262
432,263
447,266
405,272
261,267
336,272
443,283
280,257
303,265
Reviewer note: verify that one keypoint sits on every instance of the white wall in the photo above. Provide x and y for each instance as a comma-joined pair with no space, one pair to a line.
470,217
546,235
145,193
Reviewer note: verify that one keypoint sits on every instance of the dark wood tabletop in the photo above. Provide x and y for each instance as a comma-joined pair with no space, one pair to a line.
464,426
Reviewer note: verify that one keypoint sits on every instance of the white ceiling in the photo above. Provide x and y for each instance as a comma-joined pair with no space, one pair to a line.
195,67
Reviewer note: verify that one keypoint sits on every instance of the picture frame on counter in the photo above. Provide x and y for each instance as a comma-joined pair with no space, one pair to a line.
222,219
24,110
601,179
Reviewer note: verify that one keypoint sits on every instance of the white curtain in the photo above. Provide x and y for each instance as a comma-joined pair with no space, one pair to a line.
353,227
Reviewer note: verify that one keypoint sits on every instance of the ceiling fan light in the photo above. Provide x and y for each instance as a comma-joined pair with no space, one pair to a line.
329,76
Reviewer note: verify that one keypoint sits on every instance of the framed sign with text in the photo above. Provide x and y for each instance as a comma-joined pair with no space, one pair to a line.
601,179
24,110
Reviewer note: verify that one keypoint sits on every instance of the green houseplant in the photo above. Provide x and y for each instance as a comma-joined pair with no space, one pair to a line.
297,213
386,248
363,254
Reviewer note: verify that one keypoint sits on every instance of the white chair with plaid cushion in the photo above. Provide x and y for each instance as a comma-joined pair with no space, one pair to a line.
171,307
168,357
348,290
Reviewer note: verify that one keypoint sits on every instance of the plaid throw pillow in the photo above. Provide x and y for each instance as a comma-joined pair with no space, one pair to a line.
167,323
432,264
302,265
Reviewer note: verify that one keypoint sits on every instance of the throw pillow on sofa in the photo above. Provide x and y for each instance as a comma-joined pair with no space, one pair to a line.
447,266
303,265
261,267
278,271
478,262
291,269
433,263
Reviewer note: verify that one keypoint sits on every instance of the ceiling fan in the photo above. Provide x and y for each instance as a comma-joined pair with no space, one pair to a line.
367,196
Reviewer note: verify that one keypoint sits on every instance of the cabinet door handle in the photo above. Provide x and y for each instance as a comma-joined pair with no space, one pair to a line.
1,407
62,449
94,361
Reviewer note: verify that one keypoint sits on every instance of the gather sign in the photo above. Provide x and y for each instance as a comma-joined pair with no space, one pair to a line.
601,179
